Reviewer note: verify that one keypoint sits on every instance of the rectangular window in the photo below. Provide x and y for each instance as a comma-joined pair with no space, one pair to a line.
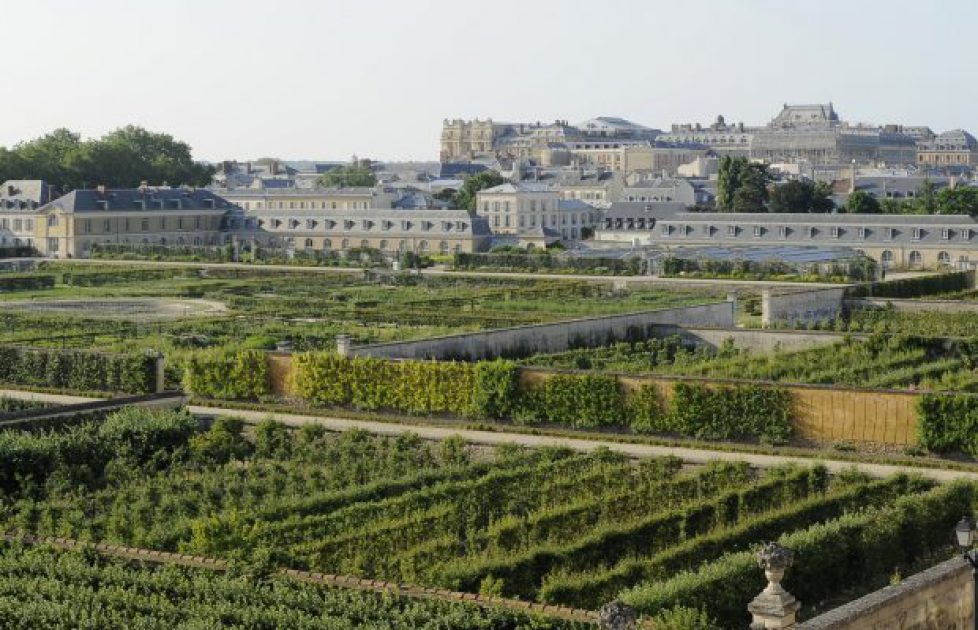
88,226
144,225
52,221
783,231
758,230
29,225
835,232
731,230
52,245
162,223
862,232
18,225
812,232
945,234
107,225
915,234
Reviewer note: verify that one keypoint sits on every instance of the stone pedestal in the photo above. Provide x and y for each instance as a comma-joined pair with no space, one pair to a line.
343,345
775,607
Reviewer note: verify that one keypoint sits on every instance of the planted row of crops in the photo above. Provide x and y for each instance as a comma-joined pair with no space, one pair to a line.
880,361
45,588
549,525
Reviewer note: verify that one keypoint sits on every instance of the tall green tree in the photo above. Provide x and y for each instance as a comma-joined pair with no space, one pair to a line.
801,196
120,159
742,185
465,197
959,200
861,202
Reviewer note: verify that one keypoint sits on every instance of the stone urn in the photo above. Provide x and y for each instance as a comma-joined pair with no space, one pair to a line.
774,607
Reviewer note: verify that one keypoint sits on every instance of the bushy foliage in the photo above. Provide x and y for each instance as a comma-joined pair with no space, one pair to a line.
948,423
580,401
25,282
919,286
82,370
543,260
496,389
223,442
227,374
730,412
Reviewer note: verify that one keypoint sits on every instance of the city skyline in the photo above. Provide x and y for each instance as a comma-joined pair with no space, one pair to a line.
325,80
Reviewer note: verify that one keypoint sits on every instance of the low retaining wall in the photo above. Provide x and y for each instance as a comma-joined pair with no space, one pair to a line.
939,598
915,306
546,338
165,400
803,307
754,339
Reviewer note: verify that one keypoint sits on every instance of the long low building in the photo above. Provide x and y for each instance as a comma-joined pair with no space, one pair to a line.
388,230
904,241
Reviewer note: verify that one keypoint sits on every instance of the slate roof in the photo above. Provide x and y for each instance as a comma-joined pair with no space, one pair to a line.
130,199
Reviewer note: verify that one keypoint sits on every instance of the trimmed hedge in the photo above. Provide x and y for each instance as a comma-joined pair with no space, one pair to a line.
227,374
915,287
492,389
859,548
25,282
83,370
948,423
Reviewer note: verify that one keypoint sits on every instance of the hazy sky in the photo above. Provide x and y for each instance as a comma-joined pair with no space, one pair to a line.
324,79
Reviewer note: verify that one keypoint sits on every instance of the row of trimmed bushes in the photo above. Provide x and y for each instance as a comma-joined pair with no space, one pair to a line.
100,278
494,390
915,287
520,574
592,588
857,549
948,423
82,370
25,282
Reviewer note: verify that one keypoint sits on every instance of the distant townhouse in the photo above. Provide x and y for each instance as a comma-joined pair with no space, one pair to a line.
510,208
956,148
19,202
666,189
906,241
68,226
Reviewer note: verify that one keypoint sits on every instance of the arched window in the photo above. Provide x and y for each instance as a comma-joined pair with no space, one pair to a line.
345,244
887,256
402,246
916,259
443,247
364,244
180,241
383,246
327,243
423,246
944,258
197,241
309,244
162,240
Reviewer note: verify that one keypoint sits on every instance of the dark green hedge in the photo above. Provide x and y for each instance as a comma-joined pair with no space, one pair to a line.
915,287
948,423
861,548
545,261
83,370
25,282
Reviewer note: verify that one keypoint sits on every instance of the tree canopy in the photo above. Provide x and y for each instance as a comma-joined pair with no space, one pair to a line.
123,158
347,176
742,185
465,198
801,196
860,202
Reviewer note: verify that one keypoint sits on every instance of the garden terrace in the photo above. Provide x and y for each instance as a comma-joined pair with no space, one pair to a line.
547,525
880,361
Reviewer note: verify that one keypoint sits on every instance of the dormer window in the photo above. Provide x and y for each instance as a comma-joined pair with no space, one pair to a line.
812,232
310,224
666,230
731,230
758,230
861,232
783,231
836,232
945,234
890,234
915,234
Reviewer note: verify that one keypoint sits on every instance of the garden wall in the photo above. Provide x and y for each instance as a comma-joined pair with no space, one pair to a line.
805,307
755,339
939,598
916,306
523,341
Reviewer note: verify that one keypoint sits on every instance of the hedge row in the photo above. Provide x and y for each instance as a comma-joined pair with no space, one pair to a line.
593,588
857,549
228,375
916,287
948,423
135,431
521,574
25,283
544,260
99,278
82,370
492,389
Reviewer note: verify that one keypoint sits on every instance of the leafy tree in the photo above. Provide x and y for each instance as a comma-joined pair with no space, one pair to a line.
801,196
121,159
960,200
927,198
349,176
465,198
861,202
741,185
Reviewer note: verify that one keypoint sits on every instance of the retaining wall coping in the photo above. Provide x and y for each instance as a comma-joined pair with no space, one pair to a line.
847,613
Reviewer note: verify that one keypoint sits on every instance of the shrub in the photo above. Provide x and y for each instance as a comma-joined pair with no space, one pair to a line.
221,443
227,374
646,411
948,422
496,389
731,412
82,370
